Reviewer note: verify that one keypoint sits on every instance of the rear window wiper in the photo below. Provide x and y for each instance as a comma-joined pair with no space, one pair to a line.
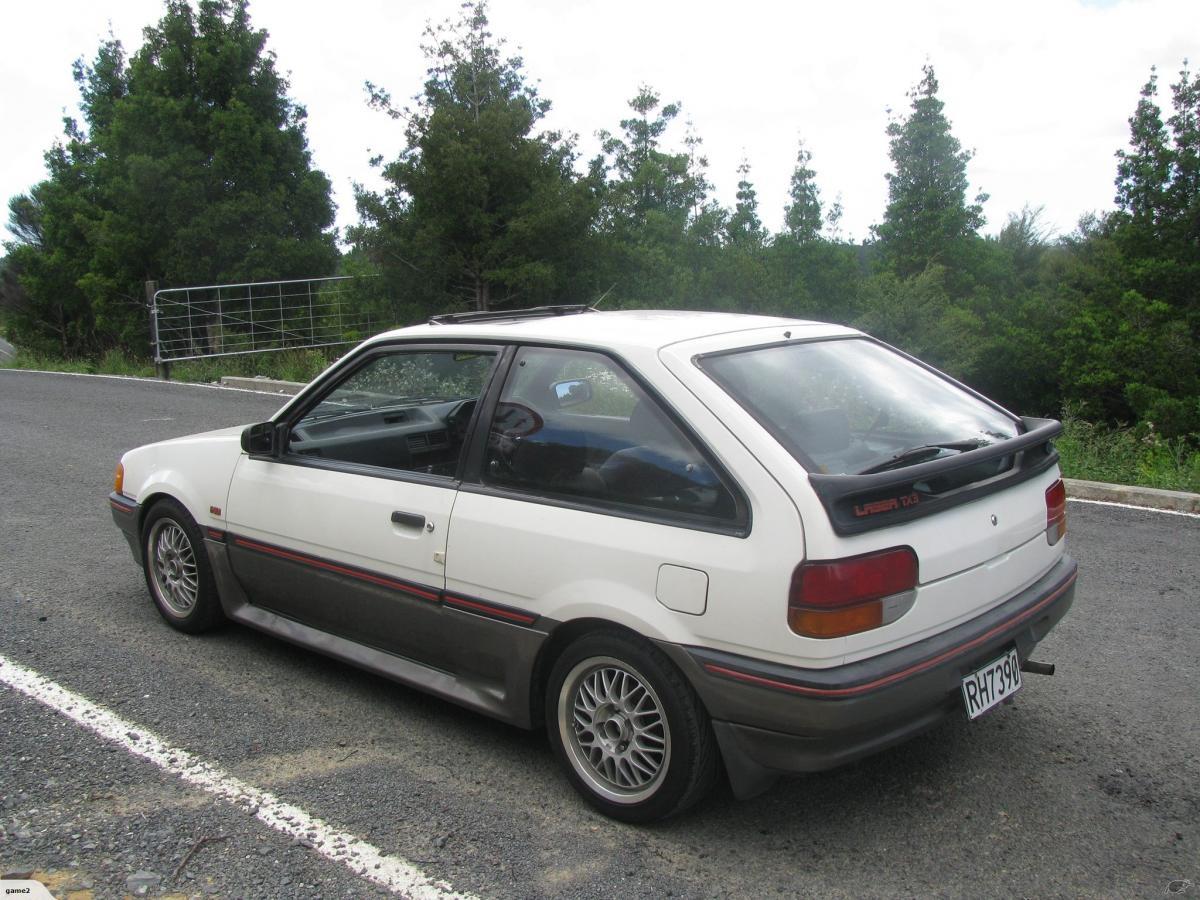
924,452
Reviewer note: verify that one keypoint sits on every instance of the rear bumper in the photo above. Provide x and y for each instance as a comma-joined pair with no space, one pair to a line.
125,515
771,718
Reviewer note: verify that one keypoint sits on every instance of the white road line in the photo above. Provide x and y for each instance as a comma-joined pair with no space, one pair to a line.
357,855
1149,509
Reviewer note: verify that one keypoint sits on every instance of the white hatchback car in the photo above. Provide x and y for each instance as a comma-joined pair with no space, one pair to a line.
682,541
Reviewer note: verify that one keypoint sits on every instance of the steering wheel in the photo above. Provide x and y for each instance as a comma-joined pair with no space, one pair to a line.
512,423
516,420
459,418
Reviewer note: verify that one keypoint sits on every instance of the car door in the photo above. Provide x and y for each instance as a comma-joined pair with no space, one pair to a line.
607,506
345,528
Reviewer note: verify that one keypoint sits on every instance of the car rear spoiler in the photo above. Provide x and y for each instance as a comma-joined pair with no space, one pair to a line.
858,503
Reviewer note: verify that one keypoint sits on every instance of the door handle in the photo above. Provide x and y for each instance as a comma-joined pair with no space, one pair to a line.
409,520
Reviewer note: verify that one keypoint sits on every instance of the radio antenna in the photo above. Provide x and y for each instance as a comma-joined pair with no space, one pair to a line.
600,299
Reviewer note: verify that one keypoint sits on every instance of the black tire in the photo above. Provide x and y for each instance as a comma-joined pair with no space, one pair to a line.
630,732
177,569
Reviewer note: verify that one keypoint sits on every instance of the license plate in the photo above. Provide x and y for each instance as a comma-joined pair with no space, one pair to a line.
991,685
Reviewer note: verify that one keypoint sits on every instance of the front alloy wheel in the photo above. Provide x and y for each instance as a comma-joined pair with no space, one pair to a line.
176,581
178,572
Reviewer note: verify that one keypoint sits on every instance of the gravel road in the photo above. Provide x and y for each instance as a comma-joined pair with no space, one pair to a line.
1087,786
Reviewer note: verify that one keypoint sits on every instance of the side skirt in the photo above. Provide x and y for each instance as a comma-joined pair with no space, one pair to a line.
507,700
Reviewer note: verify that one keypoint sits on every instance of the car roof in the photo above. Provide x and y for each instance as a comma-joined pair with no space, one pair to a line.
615,329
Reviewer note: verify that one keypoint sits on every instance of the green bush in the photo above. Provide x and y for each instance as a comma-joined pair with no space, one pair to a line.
1127,456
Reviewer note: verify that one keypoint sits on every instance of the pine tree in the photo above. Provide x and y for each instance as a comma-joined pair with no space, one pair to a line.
191,167
833,218
802,215
1185,131
706,222
927,215
744,226
1131,350
1144,171
656,225
481,209
1157,223
645,186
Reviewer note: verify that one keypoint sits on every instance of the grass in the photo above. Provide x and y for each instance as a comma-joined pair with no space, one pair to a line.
286,365
1127,456
114,362
1132,456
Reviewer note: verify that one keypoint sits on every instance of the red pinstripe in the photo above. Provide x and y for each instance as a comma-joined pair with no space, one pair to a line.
894,676
523,618
341,570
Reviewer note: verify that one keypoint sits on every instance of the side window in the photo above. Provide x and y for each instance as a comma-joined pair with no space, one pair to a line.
406,410
575,424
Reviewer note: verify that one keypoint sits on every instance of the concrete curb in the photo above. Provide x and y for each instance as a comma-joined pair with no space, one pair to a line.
260,383
1152,498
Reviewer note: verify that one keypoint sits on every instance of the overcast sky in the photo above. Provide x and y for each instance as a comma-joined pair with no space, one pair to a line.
1040,89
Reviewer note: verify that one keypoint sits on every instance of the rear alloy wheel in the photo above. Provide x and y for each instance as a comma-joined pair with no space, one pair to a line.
177,569
633,736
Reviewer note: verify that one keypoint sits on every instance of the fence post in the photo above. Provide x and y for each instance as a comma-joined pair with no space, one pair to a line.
161,369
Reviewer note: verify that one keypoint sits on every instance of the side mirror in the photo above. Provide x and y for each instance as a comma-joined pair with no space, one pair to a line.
573,392
260,439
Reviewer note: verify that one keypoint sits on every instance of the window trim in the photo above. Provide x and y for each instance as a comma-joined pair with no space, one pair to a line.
335,376
469,477
595,506
473,479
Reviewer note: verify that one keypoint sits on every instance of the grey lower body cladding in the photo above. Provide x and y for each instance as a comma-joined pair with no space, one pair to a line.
772,719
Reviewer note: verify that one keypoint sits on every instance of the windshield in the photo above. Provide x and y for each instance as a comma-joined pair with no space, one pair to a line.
853,406
407,379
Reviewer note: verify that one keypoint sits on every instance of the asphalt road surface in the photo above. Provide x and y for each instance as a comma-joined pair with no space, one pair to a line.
1087,786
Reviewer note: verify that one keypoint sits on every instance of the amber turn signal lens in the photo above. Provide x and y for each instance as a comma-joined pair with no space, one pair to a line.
119,478
830,623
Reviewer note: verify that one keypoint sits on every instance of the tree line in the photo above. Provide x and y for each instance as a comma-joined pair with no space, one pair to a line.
191,166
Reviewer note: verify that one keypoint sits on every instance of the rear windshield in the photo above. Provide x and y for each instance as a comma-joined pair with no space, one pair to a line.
853,406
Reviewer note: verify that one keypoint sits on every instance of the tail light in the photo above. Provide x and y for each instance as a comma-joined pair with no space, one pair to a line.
834,598
1056,512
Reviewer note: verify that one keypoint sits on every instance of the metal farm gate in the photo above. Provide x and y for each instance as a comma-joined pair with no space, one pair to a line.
259,317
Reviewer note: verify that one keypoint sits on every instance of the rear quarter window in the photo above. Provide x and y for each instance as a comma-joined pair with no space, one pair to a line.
575,424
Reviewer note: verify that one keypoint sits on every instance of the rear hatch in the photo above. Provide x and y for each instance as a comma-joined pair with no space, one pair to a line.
880,452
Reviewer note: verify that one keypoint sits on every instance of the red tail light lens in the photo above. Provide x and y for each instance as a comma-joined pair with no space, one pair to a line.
1056,512
833,598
